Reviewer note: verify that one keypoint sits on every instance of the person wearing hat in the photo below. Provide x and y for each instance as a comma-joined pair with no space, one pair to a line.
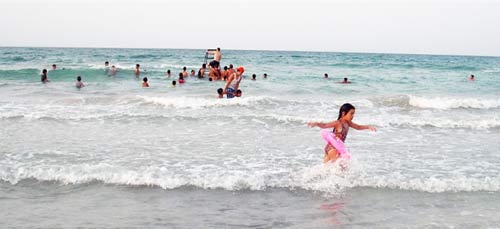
233,82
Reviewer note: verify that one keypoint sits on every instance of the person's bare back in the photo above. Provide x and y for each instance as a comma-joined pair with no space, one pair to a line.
217,55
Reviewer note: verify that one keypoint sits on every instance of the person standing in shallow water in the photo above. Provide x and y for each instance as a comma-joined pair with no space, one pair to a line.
233,83
106,67
340,129
145,82
113,71
79,84
44,77
184,72
137,71
201,72
217,57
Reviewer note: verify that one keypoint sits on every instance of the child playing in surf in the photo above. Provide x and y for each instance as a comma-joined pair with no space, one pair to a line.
335,147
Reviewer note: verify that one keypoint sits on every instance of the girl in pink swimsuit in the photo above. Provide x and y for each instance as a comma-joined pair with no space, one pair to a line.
335,147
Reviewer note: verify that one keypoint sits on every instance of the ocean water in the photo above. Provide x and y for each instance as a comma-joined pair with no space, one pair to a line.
114,154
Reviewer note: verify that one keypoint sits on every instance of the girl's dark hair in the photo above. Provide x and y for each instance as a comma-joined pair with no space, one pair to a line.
345,109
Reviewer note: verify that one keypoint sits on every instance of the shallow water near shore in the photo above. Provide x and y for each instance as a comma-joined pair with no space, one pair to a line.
116,154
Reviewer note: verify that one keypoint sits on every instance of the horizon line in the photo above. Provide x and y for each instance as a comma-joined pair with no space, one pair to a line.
264,50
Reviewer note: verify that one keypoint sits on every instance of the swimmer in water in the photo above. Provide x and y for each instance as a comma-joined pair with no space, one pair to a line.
145,82
79,84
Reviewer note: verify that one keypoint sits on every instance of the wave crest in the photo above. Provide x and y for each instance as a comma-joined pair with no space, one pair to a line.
453,103
320,178
198,103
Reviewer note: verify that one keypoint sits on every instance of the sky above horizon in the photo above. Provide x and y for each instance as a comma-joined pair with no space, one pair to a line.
380,26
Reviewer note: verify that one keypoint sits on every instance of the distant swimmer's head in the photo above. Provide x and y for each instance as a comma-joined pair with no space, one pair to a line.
218,49
203,66
78,78
180,76
265,75
225,68
219,92
106,63
230,66
137,65
145,79
44,71
346,111
184,68
174,83
168,71
254,76
210,79
471,77
326,75
238,93
240,69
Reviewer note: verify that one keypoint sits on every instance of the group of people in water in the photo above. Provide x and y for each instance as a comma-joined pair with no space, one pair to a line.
345,81
229,74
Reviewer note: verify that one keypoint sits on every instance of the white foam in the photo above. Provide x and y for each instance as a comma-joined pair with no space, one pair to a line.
453,103
440,122
82,109
322,178
199,103
330,179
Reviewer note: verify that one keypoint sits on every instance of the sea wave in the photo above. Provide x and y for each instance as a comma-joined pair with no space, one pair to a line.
441,103
320,178
91,109
198,103
444,103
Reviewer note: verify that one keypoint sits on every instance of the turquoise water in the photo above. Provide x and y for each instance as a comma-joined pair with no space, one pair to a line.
436,150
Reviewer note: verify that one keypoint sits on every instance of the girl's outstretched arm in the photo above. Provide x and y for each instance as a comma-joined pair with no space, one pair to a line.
323,125
361,127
